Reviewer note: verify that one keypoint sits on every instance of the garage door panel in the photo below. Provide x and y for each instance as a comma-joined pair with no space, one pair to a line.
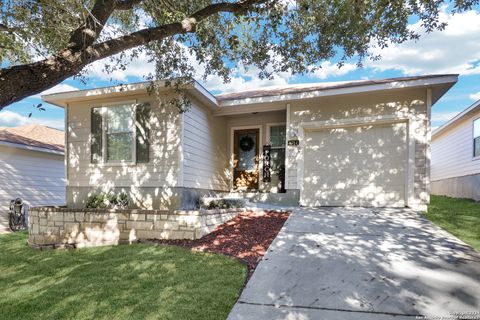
358,166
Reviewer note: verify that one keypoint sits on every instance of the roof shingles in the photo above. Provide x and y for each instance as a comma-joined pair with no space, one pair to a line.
34,136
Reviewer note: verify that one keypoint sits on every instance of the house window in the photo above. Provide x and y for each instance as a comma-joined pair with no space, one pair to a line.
476,138
277,141
119,133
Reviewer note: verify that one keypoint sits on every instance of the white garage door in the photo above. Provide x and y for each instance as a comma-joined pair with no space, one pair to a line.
355,166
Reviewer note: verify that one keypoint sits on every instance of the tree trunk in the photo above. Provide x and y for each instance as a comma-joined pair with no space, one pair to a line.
19,82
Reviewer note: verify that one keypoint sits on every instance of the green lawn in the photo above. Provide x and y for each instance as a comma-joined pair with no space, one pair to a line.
123,282
460,217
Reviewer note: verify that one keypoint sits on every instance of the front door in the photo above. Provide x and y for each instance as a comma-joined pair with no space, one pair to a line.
246,159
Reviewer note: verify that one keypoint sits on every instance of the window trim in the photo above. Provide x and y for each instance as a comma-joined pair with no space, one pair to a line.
275,124
267,136
474,157
105,106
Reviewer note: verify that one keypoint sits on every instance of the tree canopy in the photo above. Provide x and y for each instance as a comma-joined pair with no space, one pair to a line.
43,42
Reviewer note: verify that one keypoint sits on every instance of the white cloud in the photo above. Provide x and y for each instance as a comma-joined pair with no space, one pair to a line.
13,119
62,87
443,116
475,96
139,67
243,79
453,50
329,69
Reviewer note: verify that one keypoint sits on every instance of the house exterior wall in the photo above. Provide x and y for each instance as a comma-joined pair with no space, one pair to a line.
152,185
36,177
191,154
455,172
408,104
205,157
452,151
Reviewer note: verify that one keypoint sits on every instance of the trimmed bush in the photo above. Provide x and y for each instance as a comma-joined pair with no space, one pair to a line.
108,200
221,203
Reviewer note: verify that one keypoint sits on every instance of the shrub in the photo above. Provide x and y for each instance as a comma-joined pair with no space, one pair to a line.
221,203
97,201
108,200
122,201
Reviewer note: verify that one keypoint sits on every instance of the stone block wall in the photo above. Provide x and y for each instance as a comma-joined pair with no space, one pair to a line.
51,227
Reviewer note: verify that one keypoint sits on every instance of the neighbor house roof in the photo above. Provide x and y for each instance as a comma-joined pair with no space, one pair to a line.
459,117
33,137
224,103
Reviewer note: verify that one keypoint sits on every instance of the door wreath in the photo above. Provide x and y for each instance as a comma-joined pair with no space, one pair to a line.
246,143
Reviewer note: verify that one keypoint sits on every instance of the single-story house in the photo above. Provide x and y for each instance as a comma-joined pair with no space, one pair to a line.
456,155
31,166
355,143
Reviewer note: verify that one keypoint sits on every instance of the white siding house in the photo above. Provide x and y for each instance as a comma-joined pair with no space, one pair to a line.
31,166
359,143
456,156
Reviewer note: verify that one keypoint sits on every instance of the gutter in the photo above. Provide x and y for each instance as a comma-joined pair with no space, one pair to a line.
30,148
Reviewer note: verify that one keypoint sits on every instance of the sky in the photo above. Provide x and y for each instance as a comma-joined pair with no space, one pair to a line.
453,50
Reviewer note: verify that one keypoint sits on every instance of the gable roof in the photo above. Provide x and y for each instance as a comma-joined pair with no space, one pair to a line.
459,117
34,137
439,84
309,87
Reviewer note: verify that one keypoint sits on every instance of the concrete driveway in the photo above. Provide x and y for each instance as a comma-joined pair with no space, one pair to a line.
4,222
357,263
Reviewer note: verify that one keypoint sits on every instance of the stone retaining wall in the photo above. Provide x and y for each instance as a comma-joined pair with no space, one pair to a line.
51,227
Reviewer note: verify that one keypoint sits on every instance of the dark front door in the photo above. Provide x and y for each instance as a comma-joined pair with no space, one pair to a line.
246,157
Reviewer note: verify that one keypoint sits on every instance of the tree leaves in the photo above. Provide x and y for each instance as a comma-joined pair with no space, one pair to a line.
271,35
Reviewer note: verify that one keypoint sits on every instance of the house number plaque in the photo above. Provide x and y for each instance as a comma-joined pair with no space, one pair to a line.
293,142
266,163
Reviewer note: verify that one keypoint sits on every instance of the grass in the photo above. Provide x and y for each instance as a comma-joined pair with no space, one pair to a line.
123,282
460,217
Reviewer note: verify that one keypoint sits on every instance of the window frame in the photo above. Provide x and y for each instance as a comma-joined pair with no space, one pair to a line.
105,106
474,156
276,124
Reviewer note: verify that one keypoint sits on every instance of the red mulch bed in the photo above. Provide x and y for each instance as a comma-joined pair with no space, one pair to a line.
245,237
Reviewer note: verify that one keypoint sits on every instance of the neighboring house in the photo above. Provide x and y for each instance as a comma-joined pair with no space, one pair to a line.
31,166
358,143
456,156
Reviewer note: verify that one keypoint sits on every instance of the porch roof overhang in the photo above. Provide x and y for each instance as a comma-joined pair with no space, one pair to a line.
265,99
62,99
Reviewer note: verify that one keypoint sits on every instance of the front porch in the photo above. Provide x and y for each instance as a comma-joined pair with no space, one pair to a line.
256,149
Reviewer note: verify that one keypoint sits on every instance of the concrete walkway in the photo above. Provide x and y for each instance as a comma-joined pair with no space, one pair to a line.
356,263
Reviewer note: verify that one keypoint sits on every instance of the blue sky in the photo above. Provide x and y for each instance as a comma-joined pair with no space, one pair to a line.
453,50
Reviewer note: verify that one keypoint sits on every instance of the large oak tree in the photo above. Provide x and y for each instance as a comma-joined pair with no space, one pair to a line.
43,42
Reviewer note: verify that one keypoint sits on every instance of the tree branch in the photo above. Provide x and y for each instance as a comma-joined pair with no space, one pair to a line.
187,25
18,82
5,28
89,31
127,4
